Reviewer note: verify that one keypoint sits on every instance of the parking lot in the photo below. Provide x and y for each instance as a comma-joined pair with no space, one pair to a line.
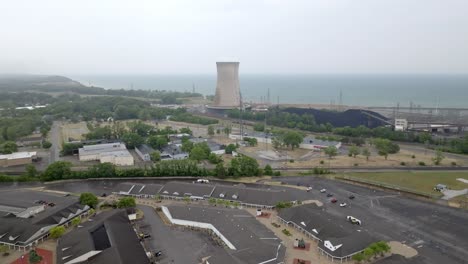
438,233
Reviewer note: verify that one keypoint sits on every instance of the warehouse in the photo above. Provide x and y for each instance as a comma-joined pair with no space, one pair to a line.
17,159
115,153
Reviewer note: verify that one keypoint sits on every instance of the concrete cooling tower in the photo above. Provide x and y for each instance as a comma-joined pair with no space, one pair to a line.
227,87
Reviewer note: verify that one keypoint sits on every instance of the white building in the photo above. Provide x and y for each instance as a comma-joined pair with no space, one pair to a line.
401,124
115,153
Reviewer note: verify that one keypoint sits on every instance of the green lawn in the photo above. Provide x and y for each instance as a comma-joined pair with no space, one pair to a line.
418,181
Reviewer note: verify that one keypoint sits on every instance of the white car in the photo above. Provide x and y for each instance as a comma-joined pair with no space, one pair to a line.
323,190
203,181
309,189
353,220
343,204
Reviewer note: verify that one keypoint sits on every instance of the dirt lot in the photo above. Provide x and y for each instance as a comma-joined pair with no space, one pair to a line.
73,131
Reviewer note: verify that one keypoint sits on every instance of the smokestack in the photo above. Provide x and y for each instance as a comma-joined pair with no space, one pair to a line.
227,87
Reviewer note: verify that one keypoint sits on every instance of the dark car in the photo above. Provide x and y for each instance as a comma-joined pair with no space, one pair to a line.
329,194
158,254
333,200
351,197
103,195
51,204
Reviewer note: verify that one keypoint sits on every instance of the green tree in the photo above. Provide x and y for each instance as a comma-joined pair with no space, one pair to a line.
230,148
242,166
438,157
385,147
187,145
155,156
89,199
211,131
331,151
31,171
126,202
185,130
358,257
292,138
197,153
57,171
227,130
157,142
220,171
353,151
214,159
259,127
102,170
75,221
8,147
46,144
34,257
366,153
132,140
268,170
57,231
368,253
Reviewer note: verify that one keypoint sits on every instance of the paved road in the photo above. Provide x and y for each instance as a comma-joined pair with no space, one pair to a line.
439,233
177,246
56,140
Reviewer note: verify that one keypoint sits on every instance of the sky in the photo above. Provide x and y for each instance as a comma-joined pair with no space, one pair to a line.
267,37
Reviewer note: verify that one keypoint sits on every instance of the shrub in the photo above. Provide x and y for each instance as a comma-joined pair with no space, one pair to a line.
322,162
286,232
403,163
56,232
355,164
89,199
454,163
422,163
126,202
291,161
413,156
46,144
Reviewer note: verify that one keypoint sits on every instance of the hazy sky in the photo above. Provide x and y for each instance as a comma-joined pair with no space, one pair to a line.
170,37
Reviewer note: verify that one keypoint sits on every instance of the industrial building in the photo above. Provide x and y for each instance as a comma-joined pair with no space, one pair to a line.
27,216
17,159
115,153
246,240
108,238
227,94
337,238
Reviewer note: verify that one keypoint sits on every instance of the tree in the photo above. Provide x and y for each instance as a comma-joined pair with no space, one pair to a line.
366,153
126,202
220,171
243,166
34,257
75,221
31,171
268,170
358,257
57,231
214,159
89,199
292,138
353,151
385,147
187,145
185,130
155,156
103,170
227,130
259,127
330,151
197,153
8,147
439,156
132,140
46,144
157,142
368,253
230,148
57,171
211,131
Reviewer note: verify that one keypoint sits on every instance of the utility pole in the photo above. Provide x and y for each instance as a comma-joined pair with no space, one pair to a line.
341,101
241,125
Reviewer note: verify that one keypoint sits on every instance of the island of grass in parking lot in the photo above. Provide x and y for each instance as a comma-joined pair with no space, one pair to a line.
421,181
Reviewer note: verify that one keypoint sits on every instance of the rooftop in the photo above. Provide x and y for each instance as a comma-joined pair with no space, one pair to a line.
108,238
18,155
145,149
254,243
101,148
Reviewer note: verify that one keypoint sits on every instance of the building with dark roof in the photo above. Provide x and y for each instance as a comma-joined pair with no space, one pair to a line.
144,152
184,189
246,239
138,190
27,216
107,238
337,241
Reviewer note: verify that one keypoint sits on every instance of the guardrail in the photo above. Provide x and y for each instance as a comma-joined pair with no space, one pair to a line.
388,186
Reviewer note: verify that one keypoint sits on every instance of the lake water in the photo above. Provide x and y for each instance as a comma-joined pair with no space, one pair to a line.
362,90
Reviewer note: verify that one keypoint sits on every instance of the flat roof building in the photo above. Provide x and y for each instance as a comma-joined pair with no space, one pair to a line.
17,159
115,153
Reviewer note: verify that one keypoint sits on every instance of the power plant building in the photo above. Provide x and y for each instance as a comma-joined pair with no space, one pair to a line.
227,86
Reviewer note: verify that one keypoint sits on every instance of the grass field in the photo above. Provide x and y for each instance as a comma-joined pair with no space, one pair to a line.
418,181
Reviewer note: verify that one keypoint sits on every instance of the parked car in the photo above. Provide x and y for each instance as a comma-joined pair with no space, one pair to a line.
51,204
343,204
158,253
353,220
351,197
323,190
309,189
329,194
333,200
104,195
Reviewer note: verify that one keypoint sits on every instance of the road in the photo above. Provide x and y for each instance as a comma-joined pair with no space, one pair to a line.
438,233
56,140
